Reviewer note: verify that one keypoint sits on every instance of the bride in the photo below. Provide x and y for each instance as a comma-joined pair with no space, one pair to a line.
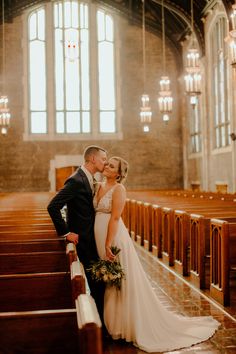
135,313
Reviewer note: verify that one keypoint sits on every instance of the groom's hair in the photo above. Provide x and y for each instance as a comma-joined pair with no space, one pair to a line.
91,150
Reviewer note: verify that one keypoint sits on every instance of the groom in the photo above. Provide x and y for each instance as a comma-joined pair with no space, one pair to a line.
77,195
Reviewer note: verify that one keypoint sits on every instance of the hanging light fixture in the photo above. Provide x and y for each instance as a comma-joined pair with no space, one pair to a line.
72,44
232,46
165,99
193,77
4,110
145,109
233,21
4,115
232,37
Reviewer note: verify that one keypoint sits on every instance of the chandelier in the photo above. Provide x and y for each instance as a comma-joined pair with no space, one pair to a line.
4,110
145,113
4,115
72,44
232,37
165,99
145,109
193,76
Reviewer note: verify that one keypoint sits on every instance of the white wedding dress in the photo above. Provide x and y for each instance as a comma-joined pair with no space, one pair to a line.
135,313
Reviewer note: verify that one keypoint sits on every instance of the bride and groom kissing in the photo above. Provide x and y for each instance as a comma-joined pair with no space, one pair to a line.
94,224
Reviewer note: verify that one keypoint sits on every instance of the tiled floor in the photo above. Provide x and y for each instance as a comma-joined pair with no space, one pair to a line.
179,296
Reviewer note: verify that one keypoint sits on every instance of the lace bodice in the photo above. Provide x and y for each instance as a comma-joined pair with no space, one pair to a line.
104,204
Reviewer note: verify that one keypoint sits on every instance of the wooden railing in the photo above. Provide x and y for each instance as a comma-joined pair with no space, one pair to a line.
223,258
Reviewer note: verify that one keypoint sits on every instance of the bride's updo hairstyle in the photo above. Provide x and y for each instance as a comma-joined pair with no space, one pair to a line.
122,169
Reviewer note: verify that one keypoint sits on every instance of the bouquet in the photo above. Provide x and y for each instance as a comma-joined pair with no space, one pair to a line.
109,272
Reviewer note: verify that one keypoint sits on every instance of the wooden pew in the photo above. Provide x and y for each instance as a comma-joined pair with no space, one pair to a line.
223,258
31,315
146,195
27,235
44,331
191,233
35,245
126,214
25,200
175,203
176,243
147,226
33,262
200,248
71,253
26,227
78,278
140,222
181,241
78,281
15,218
37,307
24,212
133,219
175,232
89,323
62,331
167,215
156,230
39,291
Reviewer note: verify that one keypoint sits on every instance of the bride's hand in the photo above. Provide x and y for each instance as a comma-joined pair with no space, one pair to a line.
72,237
109,255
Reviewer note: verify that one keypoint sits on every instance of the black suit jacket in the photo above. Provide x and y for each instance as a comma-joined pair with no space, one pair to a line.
78,197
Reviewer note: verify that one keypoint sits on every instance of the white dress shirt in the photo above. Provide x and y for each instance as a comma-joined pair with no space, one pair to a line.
89,176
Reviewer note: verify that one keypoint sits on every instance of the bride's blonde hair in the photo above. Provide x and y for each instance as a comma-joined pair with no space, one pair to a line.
122,169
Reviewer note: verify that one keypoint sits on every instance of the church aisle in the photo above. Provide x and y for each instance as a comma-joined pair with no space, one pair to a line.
179,296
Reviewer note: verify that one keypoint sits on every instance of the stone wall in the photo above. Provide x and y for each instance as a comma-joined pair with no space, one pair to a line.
155,159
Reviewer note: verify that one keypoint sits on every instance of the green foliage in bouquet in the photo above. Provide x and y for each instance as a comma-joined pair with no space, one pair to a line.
109,272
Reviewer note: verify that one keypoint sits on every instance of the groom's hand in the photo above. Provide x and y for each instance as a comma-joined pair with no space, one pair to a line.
72,237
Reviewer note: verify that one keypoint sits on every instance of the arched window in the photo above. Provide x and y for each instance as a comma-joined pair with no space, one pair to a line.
37,73
220,84
72,91
195,128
